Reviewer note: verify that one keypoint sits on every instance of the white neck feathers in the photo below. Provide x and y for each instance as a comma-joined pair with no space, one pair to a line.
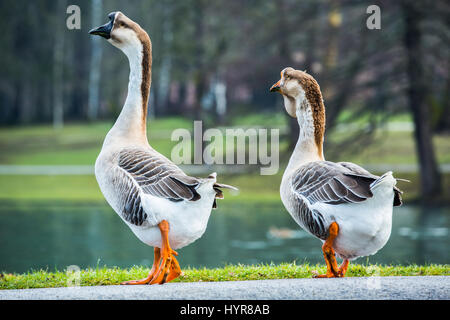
131,123
306,149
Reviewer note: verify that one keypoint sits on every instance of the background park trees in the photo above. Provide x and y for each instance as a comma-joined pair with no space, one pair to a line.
215,60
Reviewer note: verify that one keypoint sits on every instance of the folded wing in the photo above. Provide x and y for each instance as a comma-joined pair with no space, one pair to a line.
333,183
142,171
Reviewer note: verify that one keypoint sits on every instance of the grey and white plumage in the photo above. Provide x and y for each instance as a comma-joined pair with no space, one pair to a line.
326,182
142,171
142,186
318,193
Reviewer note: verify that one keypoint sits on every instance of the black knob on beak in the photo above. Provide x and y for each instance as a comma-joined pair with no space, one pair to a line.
105,30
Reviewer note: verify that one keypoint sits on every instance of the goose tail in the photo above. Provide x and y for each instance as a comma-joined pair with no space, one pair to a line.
218,188
388,181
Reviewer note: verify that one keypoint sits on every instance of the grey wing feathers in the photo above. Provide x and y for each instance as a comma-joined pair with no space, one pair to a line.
157,176
330,183
326,182
142,171
333,183
357,170
129,199
312,220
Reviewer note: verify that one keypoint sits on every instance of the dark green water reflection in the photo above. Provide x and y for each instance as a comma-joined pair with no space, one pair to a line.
49,235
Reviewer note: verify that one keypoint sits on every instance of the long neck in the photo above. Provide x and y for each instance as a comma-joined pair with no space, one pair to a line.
309,145
131,123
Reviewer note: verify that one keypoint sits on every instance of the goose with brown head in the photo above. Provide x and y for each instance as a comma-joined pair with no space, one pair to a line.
164,207
131,39
342,204
303,100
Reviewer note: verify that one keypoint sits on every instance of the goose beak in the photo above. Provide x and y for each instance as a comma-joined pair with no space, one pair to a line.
103,31
276,87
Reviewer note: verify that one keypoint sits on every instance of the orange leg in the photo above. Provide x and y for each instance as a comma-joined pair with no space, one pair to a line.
152,271
167,263
175,270
328,253
343,268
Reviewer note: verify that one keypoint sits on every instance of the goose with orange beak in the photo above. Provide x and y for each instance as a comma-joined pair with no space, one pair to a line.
345,206
164,207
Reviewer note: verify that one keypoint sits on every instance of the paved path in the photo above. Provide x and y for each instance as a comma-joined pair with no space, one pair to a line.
436,287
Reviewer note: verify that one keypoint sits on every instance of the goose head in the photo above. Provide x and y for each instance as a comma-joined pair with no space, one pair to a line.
295,86
122,32
303,100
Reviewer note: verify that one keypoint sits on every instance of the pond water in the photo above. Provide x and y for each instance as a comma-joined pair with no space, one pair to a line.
49,235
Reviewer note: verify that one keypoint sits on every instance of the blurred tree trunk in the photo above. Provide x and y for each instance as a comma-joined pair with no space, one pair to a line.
285,54
443,121
199,72
166,64
220,94
345,88
26,103
95,66
430,176
58,67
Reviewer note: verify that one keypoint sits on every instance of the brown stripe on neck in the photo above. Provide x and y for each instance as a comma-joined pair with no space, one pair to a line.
146,70
314,96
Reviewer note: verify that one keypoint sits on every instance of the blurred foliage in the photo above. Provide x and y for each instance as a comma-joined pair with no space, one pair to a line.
244,44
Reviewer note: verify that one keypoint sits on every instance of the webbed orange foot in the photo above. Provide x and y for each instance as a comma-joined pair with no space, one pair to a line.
152,271
168,267
175,270
343,268
165,266
340,273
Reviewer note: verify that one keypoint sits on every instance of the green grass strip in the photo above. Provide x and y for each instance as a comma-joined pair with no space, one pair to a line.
113,276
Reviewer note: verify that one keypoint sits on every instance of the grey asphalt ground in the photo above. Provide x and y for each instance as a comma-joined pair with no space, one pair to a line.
396,288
